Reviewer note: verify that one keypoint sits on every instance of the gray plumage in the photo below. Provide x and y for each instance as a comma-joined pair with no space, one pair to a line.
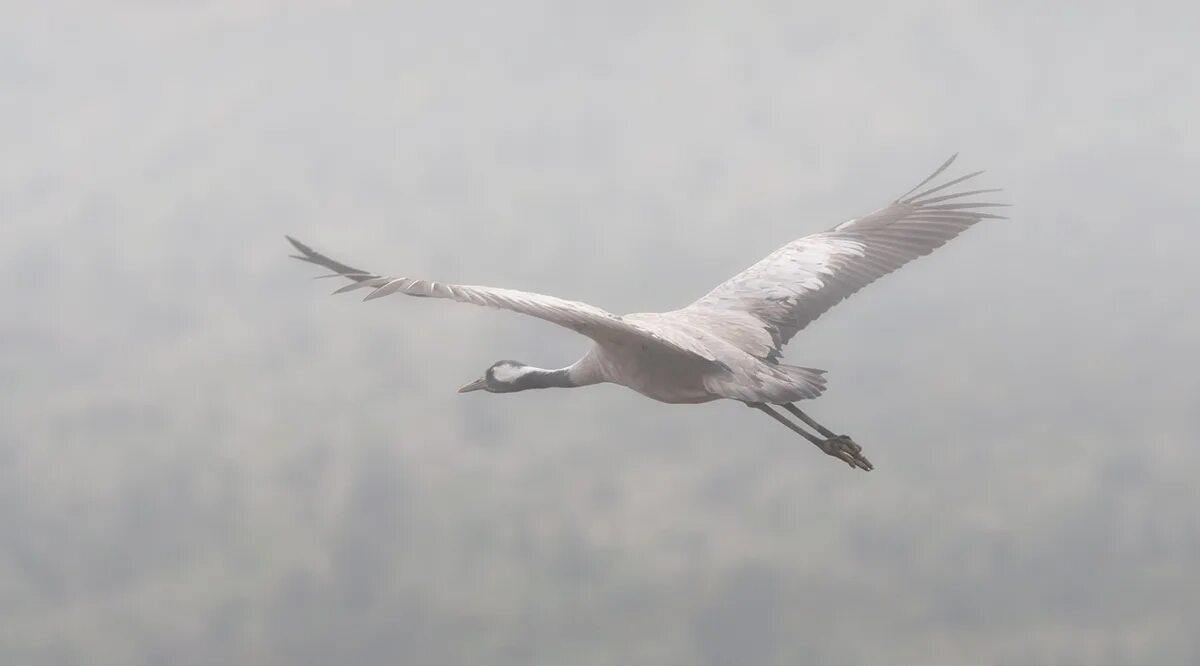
728,343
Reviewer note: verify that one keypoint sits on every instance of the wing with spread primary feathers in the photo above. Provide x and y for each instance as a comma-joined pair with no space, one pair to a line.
587,319
797,283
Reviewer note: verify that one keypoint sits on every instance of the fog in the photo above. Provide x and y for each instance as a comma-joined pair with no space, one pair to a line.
206,459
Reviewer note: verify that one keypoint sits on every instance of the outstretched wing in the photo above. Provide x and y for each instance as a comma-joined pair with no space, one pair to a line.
589,320
797,283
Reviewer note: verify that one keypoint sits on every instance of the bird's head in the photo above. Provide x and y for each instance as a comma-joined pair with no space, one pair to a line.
503,377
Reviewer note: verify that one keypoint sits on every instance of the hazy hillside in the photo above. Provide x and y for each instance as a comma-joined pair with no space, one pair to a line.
204,459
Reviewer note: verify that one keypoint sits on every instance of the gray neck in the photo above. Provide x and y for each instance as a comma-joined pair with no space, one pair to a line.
535,379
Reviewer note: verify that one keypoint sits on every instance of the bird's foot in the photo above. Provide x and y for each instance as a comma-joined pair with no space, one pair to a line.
845,449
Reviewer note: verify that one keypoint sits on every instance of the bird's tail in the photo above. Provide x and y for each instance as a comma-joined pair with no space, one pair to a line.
769,383
808,382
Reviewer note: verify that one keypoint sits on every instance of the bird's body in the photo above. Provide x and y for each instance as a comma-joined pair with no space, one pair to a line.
727,344
666,378
687,378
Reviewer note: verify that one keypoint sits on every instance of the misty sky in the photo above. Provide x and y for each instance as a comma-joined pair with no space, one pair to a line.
204,458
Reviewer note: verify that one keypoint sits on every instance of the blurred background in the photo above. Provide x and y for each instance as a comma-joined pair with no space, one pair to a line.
205,459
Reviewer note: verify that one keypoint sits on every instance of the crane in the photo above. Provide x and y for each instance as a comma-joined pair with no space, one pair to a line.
729,343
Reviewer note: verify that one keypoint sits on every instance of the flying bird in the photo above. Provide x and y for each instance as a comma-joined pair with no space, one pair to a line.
729,343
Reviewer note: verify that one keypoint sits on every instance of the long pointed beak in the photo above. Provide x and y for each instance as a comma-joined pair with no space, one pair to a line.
474,386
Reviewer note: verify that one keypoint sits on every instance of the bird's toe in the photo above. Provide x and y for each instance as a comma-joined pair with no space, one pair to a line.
848,451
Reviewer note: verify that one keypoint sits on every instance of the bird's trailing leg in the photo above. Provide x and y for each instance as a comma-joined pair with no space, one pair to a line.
839,441
840,447
812,423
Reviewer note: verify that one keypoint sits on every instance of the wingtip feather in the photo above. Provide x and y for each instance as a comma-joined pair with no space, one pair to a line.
935,174
304,249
